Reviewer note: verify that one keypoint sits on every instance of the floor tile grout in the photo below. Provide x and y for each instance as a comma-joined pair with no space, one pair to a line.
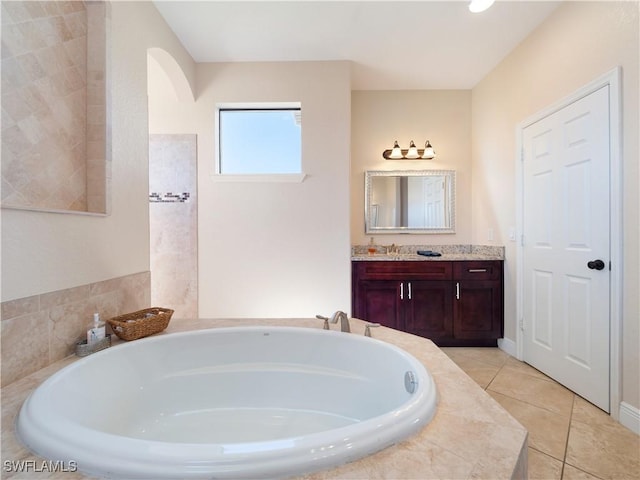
476,359
566,444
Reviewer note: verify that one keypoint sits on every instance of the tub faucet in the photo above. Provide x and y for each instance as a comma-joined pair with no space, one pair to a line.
344,321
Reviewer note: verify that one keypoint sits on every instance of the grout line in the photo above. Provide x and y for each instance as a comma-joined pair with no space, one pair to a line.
493,378
572,410
566,443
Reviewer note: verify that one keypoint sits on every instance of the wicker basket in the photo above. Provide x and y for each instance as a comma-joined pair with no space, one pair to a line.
141,323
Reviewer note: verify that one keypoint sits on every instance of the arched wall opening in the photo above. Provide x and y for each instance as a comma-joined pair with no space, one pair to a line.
173,226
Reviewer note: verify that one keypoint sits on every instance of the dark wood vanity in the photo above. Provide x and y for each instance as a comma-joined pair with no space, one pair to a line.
453,303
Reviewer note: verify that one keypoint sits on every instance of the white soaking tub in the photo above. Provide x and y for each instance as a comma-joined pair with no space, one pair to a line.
241,402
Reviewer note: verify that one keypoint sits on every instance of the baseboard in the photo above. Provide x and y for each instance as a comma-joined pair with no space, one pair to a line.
508,346
630,417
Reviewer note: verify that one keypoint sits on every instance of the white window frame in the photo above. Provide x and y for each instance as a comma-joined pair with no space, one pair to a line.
217,176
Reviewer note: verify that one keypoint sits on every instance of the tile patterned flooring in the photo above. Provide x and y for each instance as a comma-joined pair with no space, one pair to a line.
569,438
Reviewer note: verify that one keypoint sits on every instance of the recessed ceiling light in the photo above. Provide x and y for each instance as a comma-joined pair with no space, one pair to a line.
477,6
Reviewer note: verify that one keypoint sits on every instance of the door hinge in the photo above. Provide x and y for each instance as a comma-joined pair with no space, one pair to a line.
522,324
522,240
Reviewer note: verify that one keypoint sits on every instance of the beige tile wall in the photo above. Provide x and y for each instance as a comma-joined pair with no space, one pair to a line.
173,225
39,330
53,105
97,157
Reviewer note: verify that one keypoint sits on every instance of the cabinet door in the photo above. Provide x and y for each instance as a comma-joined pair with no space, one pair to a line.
429,311
477,309
378,301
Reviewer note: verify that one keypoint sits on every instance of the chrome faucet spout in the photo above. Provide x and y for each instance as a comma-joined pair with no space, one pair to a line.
344,321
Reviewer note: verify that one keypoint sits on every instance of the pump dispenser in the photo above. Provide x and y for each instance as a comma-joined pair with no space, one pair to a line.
96,331
371,248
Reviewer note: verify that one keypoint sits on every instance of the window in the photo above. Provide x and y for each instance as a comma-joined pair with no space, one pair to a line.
259,141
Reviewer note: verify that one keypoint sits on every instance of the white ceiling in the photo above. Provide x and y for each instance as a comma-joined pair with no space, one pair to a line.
393,45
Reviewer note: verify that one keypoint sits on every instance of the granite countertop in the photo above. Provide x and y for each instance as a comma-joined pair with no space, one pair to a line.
408,253
413,257
470,436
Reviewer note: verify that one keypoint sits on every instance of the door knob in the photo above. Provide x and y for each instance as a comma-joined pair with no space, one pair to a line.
596,265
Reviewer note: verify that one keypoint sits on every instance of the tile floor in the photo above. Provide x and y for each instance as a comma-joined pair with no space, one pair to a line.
569,438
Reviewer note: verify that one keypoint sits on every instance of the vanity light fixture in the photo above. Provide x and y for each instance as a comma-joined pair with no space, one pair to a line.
477,6
412,153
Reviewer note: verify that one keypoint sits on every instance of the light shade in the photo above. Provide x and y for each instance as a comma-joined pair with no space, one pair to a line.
413,151
428,153
396,152
477,6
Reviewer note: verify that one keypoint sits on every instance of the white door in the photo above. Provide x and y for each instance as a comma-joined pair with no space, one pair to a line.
434,201
566,246
426,200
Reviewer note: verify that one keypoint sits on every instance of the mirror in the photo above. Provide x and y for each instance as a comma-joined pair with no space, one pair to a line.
410,201
55,127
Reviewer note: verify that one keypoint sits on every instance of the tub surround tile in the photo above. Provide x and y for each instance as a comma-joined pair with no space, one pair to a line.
25,346
42,329
64,297
470,436
20,307
68,325
12,398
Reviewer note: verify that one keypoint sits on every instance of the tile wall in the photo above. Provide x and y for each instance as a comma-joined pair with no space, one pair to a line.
98,155
39,330
173,223
53,105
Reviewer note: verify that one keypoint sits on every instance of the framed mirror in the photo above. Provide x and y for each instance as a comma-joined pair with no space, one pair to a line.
410,201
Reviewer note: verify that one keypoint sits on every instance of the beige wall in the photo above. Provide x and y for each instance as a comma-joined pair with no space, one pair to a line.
271,249
441,116
578,43
45,252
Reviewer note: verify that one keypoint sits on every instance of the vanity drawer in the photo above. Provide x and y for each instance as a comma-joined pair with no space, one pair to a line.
403,270
477,270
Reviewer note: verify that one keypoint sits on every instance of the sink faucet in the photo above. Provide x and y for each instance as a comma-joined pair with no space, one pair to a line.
344,321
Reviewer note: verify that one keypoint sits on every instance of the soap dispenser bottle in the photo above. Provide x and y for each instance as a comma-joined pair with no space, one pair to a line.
371,248
96,331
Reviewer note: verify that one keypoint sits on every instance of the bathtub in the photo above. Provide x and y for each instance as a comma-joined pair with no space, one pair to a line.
239,402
